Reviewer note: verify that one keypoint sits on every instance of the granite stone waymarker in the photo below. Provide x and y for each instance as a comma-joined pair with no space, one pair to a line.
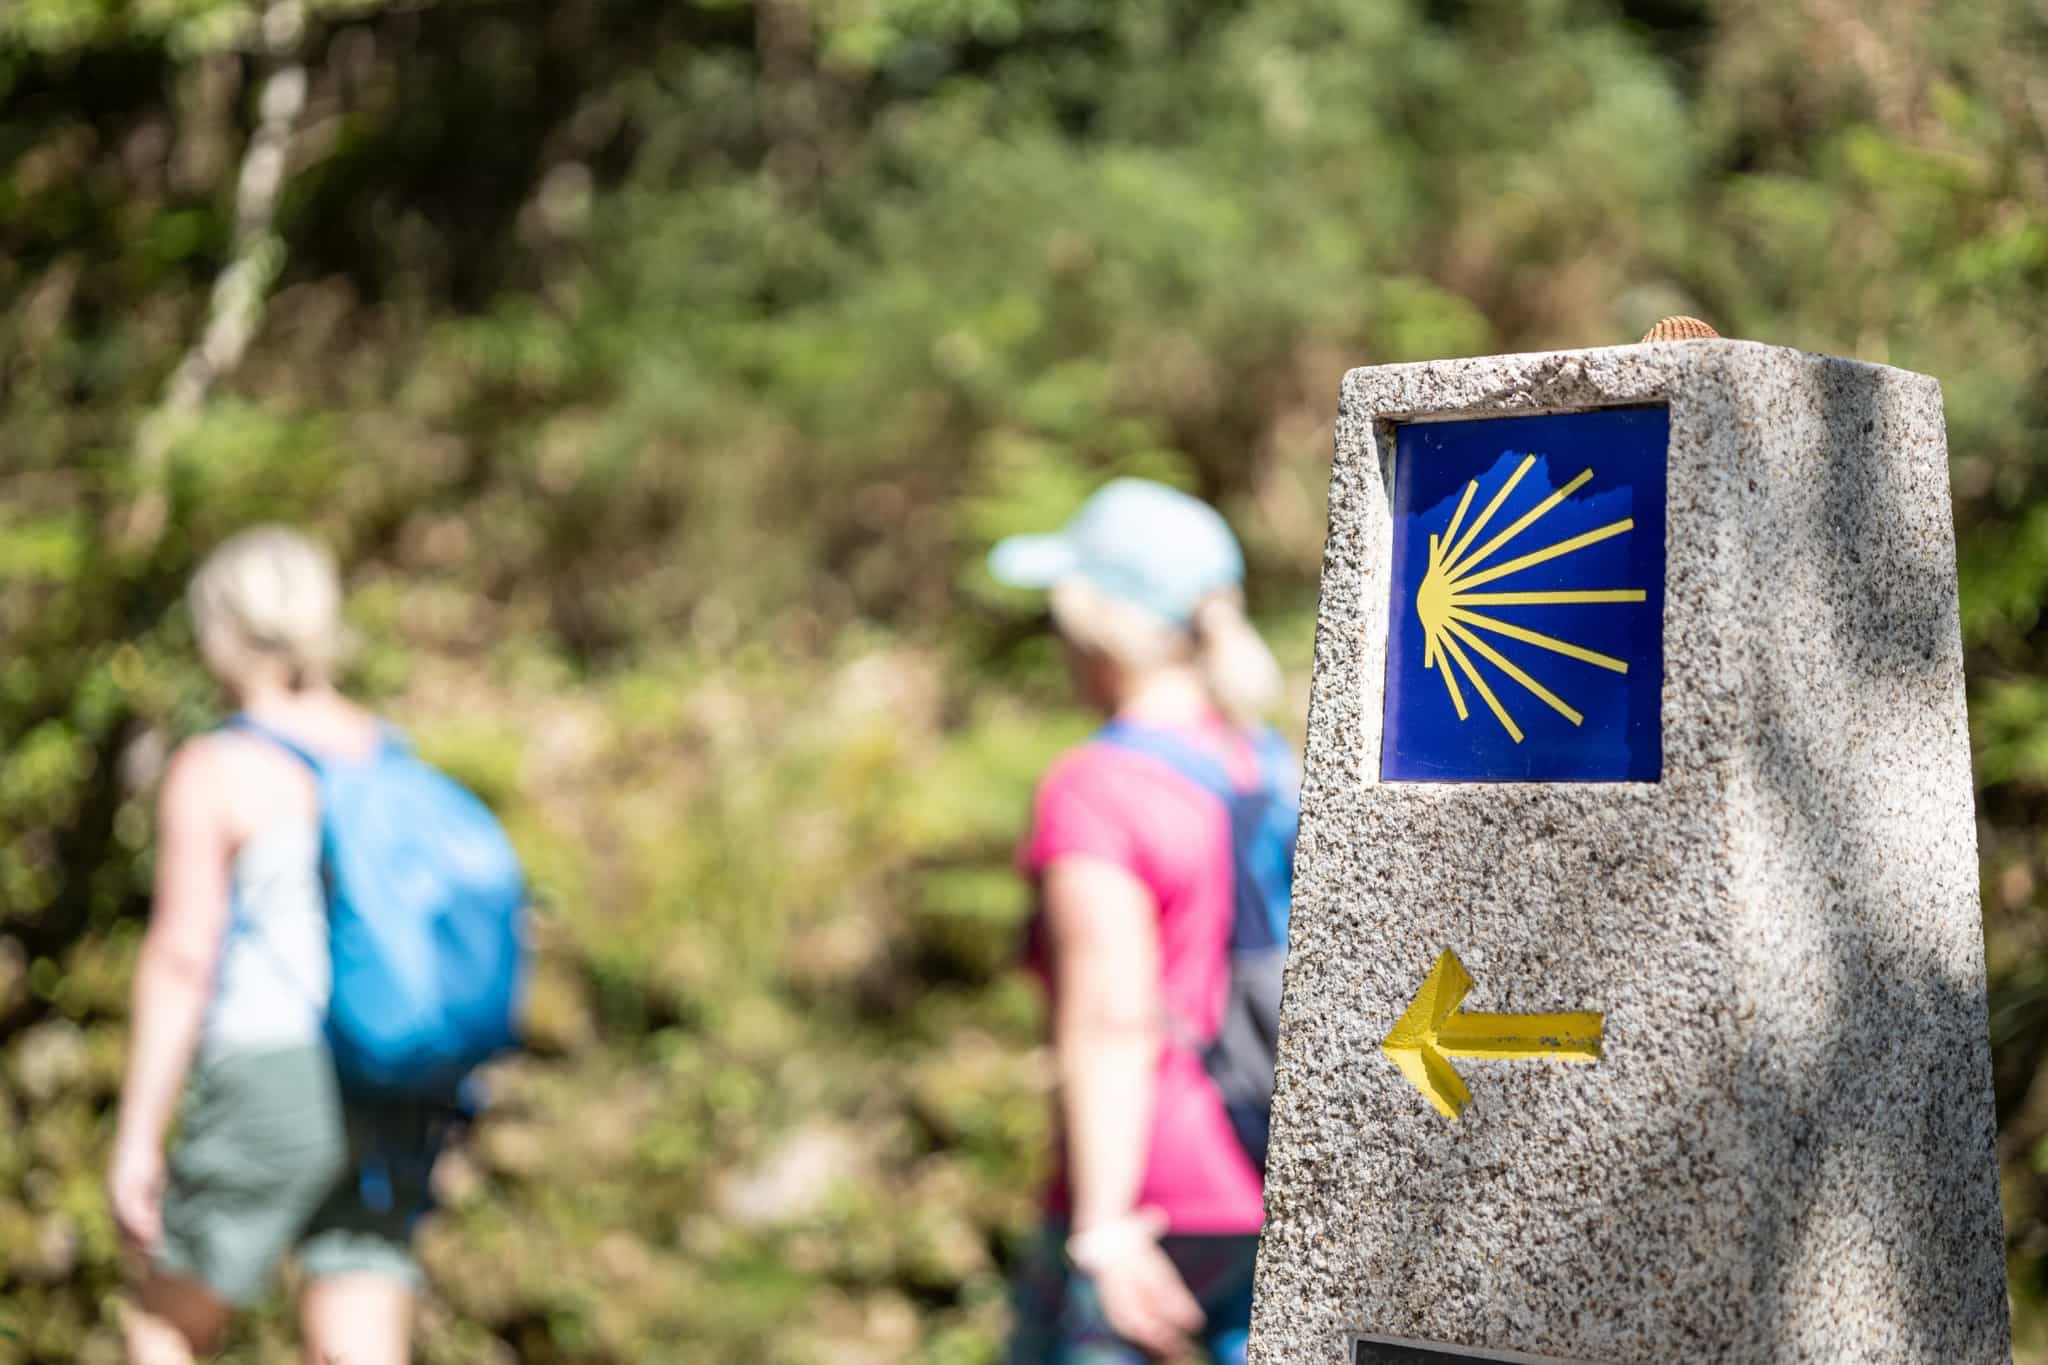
1635,998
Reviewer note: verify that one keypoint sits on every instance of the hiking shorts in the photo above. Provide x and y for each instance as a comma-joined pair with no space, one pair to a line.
270,1160
1059,1319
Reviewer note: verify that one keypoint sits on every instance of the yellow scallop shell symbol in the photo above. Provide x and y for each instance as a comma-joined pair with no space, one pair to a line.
1446,600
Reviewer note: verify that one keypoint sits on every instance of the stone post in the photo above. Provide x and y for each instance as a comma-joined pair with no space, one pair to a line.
1655,1036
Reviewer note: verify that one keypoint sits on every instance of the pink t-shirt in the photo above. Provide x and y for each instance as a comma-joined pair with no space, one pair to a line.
1101,801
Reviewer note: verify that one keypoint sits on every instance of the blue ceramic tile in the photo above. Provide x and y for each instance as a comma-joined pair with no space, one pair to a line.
1526,641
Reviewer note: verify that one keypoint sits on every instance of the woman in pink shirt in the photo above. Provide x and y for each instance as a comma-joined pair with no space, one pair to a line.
1154,1214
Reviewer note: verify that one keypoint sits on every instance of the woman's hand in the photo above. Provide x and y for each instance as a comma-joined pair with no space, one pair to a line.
135,1190
1143,1296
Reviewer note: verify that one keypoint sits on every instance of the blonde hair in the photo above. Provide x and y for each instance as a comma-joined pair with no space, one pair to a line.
1238,670
269,594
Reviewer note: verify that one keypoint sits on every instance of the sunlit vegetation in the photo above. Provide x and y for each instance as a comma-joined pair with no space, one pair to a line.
661,371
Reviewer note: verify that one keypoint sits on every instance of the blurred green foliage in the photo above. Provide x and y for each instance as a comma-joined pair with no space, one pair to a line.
661,370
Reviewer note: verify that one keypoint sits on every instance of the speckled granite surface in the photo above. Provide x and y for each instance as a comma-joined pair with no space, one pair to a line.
1786,1152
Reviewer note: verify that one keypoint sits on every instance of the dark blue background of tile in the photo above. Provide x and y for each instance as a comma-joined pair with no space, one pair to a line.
1622,737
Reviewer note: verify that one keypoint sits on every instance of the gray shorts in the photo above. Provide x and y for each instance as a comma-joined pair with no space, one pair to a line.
270,1160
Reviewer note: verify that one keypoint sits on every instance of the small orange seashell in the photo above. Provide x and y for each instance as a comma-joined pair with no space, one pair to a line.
1680,329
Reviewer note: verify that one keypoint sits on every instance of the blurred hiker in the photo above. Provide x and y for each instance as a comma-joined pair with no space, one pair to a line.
264,954
1161,852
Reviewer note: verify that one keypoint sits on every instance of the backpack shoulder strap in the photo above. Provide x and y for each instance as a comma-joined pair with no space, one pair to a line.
241,922
394,743
1190,762
248,725
1279,773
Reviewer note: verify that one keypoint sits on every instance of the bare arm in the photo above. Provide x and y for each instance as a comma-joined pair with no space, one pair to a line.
1107,1029
174,975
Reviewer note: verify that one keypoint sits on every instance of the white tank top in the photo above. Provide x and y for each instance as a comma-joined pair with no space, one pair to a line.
270,989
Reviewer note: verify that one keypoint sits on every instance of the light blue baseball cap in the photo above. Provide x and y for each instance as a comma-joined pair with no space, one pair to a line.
1135,540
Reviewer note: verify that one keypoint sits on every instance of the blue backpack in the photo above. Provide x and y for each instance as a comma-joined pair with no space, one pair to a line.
1264,821
426,911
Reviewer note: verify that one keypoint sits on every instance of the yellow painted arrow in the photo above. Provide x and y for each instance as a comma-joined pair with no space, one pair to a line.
1432,1031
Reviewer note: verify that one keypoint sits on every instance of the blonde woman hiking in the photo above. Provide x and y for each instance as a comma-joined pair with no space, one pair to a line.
1161,855
237,996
